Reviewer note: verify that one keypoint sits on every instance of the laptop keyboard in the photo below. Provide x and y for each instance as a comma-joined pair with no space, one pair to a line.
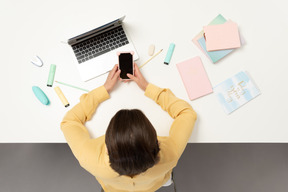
100,44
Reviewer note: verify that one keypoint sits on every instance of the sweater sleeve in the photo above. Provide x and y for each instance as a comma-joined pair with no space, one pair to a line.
183,114
72,125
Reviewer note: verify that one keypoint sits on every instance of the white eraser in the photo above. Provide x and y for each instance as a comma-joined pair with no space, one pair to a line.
151,50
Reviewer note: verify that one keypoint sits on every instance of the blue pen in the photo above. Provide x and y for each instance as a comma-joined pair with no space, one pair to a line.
169,53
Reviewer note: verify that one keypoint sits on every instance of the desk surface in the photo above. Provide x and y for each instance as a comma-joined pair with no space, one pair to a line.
37,28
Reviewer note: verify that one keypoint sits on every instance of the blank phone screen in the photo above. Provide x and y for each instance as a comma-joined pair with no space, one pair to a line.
125,65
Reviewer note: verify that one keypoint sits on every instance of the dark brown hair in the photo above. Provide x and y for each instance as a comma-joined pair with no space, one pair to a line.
132,143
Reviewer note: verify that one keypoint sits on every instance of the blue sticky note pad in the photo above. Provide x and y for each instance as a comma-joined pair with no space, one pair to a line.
236,91
214,55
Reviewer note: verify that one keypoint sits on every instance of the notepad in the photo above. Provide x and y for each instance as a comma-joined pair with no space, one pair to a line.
194,78
200,42
222,36
217,20
236,91
214,55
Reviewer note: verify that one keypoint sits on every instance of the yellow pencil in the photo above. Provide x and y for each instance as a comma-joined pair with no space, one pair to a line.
151,58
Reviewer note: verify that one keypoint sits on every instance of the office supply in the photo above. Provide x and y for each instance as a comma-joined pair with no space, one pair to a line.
72,86
217,20
51,75
151,50
222,36
194,78
236,91
95,50
169,53
214,55
41,96
199,41
37,61
61,96
151,58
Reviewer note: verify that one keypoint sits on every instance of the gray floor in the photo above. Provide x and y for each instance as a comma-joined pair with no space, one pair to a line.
202,168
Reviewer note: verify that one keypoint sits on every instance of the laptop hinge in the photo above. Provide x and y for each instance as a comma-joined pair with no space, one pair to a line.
94,32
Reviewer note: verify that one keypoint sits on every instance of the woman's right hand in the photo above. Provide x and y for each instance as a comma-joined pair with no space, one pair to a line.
138,78
112,78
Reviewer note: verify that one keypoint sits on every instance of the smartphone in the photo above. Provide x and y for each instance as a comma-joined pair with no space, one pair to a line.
126,64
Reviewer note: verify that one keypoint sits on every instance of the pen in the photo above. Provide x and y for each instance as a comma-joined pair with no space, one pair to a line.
151,58
72,86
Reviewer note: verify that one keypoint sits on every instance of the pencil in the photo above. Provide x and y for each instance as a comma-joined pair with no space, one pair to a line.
72,86
151,58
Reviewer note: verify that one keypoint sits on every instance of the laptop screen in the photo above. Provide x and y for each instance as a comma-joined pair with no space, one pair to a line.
95,31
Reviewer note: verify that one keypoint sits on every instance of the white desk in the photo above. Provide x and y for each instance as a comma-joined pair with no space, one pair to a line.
33,27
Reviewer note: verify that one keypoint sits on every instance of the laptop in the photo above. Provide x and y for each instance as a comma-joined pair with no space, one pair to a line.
96,50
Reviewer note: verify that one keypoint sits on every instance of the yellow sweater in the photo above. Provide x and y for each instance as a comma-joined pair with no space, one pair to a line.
92,153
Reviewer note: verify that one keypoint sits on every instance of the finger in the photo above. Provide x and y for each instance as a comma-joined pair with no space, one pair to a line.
136,67
123,80
113,71
132,77
116,75
137,70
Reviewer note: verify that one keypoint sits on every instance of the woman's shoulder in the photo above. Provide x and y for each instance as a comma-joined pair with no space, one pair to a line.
168,150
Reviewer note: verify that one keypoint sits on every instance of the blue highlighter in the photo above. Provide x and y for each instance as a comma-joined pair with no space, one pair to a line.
169,53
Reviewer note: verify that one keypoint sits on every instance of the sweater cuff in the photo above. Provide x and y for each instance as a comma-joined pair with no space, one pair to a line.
152,91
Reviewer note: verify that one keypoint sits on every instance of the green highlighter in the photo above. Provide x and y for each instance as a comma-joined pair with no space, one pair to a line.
51,75
169,53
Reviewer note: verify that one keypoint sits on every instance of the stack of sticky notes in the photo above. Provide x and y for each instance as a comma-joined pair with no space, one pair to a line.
219,38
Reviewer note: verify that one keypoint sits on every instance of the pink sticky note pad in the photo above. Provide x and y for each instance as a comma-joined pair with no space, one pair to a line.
223,36
194,78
